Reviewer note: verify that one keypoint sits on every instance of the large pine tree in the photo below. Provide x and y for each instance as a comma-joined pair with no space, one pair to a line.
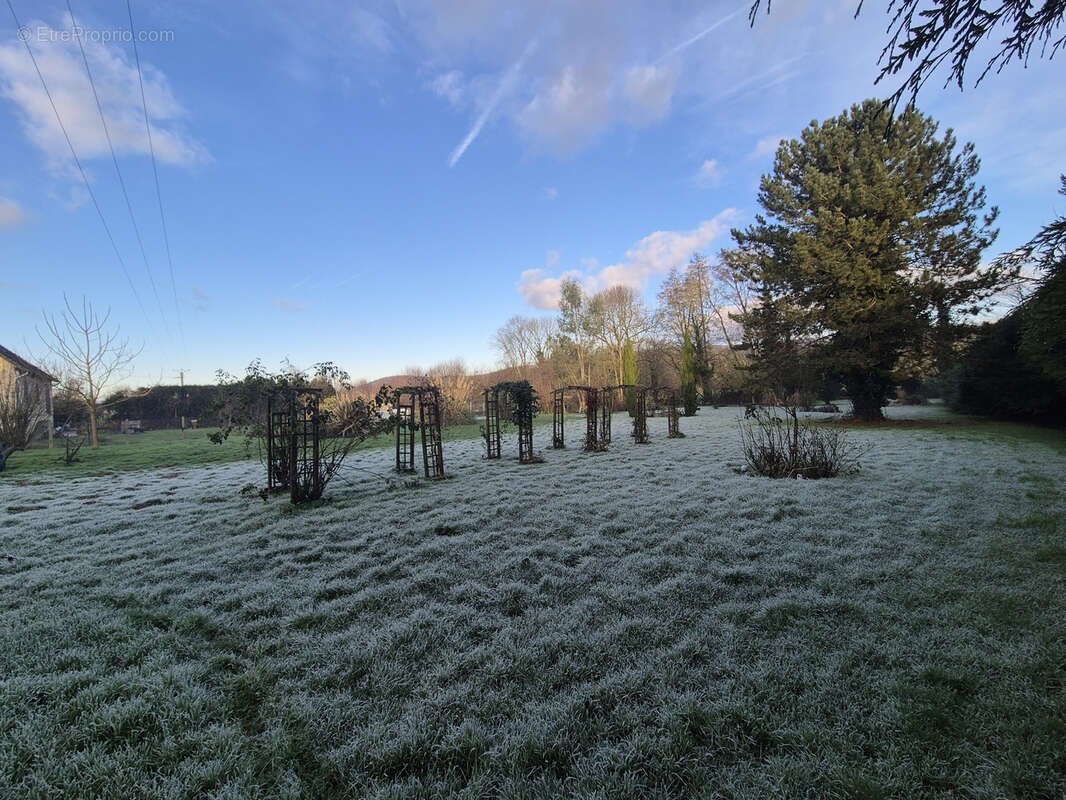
870,241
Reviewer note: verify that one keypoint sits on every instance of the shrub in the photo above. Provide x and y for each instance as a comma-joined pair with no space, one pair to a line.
778,444
996,380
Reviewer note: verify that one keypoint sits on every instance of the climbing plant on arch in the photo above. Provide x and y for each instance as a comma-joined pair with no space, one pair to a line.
591,397
304,441
524,403
294,443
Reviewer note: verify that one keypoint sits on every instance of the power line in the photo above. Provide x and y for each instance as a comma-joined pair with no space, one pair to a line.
77,161
118,171
155,173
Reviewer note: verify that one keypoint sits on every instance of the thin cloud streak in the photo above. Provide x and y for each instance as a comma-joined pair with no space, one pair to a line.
501,90
688,43
746,86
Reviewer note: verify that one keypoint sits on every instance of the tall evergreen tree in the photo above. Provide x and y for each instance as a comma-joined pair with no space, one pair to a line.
630,376
689,398
871,238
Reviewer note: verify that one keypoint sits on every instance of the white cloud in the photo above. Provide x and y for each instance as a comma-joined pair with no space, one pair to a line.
596,65
11,214
654,255
767,146
449,85
541,290
551,192
709,173
649,90
570,108
117,85
552,258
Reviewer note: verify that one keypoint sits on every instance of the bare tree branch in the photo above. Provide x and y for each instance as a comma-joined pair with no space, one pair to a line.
926,33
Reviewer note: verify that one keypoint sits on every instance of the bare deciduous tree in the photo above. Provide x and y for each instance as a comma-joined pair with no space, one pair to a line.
21,415
91,353
618,316
524,342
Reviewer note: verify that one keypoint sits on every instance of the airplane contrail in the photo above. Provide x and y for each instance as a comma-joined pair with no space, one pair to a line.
483,117
698,36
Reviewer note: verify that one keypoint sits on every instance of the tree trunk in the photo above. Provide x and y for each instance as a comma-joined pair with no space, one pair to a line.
94,440
866,395
5,452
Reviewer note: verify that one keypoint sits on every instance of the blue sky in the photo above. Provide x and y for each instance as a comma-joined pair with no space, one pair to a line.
384,184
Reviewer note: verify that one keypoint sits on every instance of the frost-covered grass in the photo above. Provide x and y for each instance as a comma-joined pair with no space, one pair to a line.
639,623
169,448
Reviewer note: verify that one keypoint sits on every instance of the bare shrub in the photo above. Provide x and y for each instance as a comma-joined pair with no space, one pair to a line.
778,444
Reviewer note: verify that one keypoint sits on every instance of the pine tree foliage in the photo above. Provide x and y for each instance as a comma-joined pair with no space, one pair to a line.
870,240
630,375
689,397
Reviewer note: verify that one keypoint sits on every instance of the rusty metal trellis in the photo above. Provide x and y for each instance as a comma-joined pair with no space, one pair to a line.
277,447
606,409
432,445
405,435
640,418
525,434
640,409
558,415
427,400
669,398
592,438
294,454
673,420
305,467
520,398
492,422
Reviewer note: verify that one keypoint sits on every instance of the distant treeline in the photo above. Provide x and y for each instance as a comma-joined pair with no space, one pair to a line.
163,406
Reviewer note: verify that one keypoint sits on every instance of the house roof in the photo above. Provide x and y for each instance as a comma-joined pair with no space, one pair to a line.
22,363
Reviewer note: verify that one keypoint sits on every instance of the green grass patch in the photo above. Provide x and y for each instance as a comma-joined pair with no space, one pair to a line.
170,448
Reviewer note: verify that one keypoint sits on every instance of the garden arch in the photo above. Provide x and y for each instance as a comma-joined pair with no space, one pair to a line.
671,399
522,398
640,416
426,399
293,443
592,396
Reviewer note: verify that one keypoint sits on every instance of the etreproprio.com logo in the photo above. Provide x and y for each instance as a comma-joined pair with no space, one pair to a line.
43,33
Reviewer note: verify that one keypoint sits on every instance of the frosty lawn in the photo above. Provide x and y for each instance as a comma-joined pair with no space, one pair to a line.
164,449
637,623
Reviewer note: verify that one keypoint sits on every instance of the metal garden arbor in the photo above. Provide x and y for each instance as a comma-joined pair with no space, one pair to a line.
294,453
426,399
592,436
